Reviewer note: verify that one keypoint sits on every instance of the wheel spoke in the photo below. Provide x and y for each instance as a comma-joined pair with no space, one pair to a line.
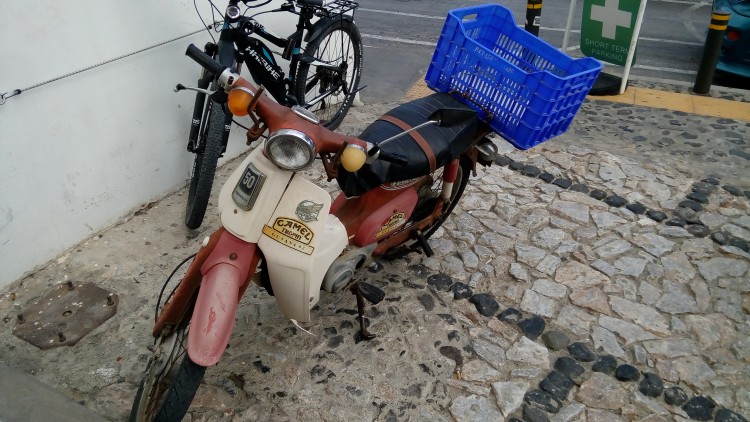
336,48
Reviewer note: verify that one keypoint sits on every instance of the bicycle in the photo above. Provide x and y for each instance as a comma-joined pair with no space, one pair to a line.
323,78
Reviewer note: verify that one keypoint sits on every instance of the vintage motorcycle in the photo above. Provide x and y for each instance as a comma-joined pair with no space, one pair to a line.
287,235
399,180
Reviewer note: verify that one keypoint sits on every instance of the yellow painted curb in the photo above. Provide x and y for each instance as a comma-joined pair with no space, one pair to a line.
646,97
693,104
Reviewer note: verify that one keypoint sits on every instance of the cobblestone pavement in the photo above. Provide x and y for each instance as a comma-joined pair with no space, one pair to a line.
589,279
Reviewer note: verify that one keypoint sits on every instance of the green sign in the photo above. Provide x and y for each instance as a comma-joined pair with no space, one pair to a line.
607,28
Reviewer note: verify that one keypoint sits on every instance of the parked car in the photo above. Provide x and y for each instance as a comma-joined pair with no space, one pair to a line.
734,56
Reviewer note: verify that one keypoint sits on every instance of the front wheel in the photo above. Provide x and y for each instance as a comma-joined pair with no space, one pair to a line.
327,86
170,382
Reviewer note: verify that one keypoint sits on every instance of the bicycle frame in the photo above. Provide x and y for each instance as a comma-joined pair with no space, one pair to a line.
238,31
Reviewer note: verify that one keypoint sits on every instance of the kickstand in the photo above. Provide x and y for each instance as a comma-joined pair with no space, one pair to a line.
361,312
424,244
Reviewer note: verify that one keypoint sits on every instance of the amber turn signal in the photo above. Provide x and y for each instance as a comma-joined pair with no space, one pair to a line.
238,101
353,157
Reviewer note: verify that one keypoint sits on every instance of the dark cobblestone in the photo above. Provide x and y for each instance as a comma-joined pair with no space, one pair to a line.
442,282
615,201
563,183
547,177
557,384
579,187
693,205
598,194
534,414
532,327
516,165
651,385
676,221
699,197
543,400
703,186
738,243
627,373
571,368
698,230
734,190
511,315
719,238
636,208
502,160
486,304
581,352
656,215
461,291
531,171
699,408
711,181
605,364
726,415
675,396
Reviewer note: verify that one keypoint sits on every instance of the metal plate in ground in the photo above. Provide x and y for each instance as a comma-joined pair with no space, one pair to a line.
65,315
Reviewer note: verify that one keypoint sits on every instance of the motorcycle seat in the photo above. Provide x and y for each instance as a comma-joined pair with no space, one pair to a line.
444,143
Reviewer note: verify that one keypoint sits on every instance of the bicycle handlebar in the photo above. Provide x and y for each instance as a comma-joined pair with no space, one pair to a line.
204,60
276,115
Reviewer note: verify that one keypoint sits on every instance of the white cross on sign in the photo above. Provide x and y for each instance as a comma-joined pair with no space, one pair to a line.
611,17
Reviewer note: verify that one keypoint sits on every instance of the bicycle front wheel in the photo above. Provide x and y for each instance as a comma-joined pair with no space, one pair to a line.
327,85
204,165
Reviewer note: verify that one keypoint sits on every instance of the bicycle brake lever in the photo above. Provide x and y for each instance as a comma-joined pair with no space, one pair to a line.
181,87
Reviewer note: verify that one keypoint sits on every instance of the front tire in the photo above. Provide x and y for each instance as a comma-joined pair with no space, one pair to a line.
204,165
170,382
339,45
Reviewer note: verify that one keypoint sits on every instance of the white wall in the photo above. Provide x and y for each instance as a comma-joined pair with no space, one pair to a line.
80,153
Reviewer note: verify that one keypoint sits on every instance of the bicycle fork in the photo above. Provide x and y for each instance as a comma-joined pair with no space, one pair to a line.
199,117
195,123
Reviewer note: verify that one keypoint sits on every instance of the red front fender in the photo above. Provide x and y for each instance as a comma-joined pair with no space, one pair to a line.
225,274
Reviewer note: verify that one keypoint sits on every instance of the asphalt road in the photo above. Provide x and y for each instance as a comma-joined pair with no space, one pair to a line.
400,35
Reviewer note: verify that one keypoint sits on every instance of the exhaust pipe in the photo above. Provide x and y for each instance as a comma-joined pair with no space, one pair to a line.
342,270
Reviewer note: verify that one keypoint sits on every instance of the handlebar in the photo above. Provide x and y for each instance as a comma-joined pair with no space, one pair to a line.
204,60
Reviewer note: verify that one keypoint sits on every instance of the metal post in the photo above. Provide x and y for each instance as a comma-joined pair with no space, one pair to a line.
719,21
633,43
568,25
533,16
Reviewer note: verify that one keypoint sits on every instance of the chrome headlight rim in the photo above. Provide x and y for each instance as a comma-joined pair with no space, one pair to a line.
301,137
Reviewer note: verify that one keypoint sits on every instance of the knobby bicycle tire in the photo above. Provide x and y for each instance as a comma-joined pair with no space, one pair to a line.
311,80
204,166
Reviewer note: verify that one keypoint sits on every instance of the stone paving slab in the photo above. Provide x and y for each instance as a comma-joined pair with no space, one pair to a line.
544,301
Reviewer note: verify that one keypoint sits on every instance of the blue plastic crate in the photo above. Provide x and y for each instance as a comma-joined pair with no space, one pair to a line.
525,88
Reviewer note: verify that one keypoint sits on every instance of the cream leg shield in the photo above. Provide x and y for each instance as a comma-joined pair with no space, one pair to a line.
299,243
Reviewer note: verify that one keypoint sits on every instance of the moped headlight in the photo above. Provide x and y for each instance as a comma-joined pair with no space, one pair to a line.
290,149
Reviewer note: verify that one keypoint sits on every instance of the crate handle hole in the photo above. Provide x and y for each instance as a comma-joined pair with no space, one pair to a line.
469,18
